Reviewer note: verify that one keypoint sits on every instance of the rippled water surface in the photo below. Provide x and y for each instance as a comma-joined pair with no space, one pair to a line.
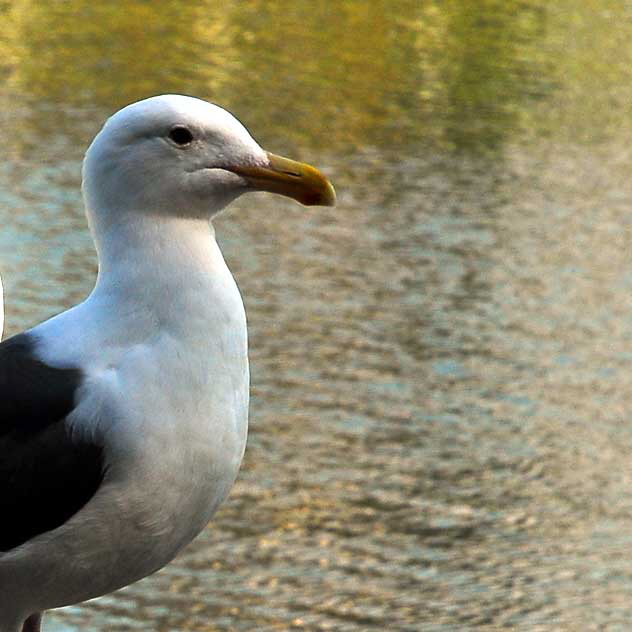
441,418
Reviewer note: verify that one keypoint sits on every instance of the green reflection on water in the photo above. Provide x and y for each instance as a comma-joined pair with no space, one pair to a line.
345,73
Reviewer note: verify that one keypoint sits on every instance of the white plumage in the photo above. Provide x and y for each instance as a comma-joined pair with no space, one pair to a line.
149,374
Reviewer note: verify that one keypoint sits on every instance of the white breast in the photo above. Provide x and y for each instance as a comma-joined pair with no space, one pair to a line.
166,391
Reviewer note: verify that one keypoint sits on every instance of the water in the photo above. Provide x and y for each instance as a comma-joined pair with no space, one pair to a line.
441,434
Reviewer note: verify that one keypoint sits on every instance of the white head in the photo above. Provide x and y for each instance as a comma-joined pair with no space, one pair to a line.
180,156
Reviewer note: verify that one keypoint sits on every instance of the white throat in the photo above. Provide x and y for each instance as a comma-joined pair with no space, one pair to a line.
158,276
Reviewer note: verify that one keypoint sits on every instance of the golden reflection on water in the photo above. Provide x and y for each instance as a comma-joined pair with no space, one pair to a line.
441,411
345,73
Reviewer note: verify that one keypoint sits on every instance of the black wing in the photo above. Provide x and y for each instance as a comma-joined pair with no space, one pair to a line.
46,475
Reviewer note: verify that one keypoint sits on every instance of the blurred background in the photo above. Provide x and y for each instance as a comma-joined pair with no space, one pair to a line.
441,418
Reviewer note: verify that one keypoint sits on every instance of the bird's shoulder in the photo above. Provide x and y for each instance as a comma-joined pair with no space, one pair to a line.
33,394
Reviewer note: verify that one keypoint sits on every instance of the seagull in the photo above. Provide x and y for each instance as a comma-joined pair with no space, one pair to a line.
123,420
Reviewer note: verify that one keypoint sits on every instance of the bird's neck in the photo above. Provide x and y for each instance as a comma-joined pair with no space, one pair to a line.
161,282
169,267
151,244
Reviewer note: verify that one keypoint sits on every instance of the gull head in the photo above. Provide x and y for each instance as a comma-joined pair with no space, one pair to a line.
181,156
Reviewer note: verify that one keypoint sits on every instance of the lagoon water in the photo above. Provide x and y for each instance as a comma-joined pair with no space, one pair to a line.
441,418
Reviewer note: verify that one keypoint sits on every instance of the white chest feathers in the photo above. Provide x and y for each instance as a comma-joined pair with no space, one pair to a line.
165,390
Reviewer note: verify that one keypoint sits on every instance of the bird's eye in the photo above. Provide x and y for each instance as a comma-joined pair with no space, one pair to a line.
181,135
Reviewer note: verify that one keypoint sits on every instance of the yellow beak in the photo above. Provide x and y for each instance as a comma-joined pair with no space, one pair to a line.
301,182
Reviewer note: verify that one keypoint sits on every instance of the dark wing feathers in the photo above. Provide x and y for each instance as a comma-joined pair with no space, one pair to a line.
46,475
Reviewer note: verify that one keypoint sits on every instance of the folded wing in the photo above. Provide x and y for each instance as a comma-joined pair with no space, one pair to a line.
47,473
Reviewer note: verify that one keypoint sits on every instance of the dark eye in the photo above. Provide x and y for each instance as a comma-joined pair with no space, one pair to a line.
180,135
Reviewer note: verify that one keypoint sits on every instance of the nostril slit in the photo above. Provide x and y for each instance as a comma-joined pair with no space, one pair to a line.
292,173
